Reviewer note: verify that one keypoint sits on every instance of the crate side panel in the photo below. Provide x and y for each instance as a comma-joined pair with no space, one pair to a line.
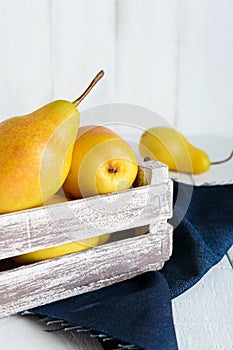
45,282
30,230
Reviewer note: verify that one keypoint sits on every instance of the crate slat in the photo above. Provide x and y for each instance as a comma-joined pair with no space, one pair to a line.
143,210
29,230
47,281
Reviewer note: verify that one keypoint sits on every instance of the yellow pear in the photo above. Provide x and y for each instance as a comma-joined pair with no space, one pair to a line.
36,152
60,250
170,147
102,162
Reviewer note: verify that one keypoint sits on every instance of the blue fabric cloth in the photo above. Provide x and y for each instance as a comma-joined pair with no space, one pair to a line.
203,236
138,311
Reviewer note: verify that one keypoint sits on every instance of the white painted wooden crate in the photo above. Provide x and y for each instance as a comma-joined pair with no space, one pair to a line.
141,241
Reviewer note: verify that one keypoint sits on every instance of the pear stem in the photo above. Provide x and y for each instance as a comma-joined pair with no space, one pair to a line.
224,160
89,88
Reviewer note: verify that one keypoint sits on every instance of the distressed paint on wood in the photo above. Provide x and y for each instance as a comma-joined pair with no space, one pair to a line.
40,283
203,315
38,228
145,208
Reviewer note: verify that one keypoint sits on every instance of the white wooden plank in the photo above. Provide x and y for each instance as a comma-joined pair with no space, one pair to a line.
202,315
84,218
25,287
52,225
146,55
83,42
13,331
25,56
205,68
41,283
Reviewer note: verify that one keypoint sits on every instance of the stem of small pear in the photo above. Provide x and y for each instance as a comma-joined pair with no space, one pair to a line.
89,88
224,160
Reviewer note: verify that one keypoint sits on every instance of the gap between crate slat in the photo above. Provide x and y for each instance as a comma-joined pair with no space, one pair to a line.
37,284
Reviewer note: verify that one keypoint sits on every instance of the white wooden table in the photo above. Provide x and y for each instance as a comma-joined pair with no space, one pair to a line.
203,315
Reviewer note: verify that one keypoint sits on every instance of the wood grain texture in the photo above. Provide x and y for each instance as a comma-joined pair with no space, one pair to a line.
146,55
37,284
83,43
205,74
61,223
173,57
203,315
38,228
25,82
27,333
148,205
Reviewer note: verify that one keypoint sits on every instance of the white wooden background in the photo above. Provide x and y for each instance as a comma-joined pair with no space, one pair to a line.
172,56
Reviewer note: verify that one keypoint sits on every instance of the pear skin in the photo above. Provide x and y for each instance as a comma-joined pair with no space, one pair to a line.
102,162
60,250
170,147
36,153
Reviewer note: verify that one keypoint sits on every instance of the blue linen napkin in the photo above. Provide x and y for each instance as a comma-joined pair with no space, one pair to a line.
203,236
138,311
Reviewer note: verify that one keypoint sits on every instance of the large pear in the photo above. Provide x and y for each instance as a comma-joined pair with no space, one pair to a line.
36,152
35,155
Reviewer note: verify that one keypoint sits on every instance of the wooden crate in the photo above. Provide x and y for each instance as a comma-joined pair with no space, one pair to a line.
141,241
